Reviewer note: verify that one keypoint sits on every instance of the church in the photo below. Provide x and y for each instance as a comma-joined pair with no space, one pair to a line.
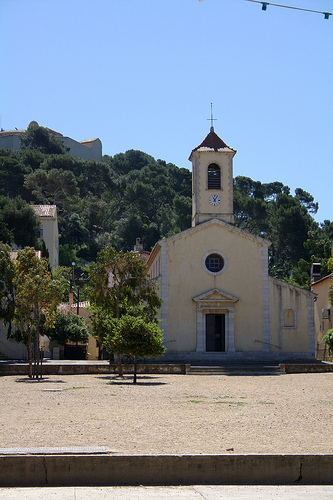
219,302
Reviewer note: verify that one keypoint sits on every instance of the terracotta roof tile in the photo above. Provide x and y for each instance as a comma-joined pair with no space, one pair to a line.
212,142
45,210
89,142
6,133
329,276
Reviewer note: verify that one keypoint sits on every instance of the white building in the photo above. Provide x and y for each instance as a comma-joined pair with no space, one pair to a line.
90,149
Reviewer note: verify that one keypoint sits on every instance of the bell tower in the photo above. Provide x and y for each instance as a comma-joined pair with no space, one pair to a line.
212,180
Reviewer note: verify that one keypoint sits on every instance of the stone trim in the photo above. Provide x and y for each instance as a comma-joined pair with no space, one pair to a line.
311,326
164,291
231,190
195,191
219,222
266,320
221,254
205,305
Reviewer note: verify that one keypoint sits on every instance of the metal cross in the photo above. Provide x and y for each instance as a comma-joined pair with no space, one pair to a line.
211,118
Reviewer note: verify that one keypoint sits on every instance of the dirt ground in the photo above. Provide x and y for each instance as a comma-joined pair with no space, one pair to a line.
170,414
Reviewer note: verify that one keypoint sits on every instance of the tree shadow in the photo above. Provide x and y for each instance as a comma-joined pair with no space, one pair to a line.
128,380
28,380
254,374
138,382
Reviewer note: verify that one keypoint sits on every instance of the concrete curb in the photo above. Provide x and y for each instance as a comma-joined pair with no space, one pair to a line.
111,470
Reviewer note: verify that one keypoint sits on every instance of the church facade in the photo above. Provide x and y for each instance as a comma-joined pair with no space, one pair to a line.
219,303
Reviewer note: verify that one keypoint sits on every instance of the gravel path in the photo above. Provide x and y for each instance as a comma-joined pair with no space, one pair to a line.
170,414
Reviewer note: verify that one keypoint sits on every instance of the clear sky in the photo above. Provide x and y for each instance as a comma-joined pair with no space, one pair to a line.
141,74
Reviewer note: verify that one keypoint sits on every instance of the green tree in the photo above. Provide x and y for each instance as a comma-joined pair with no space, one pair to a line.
12,172
307,200
119,284
53,186
123,163
68,327
37,297
7,293
183,211
327,228
19,225
128,229
135,335
40,139
328,338
289,224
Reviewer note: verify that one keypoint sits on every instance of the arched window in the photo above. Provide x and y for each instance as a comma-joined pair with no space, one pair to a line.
214,176
289,318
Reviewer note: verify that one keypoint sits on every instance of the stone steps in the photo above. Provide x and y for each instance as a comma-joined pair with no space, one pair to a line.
235,370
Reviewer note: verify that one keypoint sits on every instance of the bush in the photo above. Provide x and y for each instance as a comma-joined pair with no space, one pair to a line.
68,328
135,335
328,338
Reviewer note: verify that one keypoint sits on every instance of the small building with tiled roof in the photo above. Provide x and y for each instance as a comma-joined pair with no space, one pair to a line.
47,215
89,149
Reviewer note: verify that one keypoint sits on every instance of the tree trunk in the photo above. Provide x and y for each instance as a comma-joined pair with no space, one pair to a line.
135,363
38,376
120,366
29,353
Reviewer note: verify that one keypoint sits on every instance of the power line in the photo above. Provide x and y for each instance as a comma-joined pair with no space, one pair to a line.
264,7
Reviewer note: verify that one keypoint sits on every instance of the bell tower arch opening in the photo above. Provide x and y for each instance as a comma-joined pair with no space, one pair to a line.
214,176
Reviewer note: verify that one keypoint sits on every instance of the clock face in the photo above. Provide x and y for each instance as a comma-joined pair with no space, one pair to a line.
214,200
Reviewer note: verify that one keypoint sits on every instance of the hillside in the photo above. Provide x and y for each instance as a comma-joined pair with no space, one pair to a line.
132,195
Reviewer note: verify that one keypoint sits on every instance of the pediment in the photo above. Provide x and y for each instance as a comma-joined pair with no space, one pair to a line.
215,295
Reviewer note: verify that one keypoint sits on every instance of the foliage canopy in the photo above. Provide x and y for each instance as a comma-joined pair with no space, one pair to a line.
130,195
121,289
68,327
37,297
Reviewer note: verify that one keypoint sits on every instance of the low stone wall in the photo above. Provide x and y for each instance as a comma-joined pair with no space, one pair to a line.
84,368
307,368
107,470
77,368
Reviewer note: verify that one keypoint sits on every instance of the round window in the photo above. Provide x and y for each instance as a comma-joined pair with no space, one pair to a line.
214,263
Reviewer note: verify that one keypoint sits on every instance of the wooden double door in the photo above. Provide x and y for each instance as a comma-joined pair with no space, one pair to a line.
215,332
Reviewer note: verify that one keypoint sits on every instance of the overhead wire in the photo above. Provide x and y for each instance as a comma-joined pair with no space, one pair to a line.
265,4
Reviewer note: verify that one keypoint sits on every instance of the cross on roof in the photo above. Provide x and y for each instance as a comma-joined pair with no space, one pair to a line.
211,118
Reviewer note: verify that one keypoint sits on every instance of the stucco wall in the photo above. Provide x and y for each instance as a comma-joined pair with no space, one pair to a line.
300,337
9,348
83,151
187,278
201,208
51,238
10,142
321,288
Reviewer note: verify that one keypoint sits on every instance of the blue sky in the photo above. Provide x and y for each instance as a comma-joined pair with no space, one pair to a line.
141,74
